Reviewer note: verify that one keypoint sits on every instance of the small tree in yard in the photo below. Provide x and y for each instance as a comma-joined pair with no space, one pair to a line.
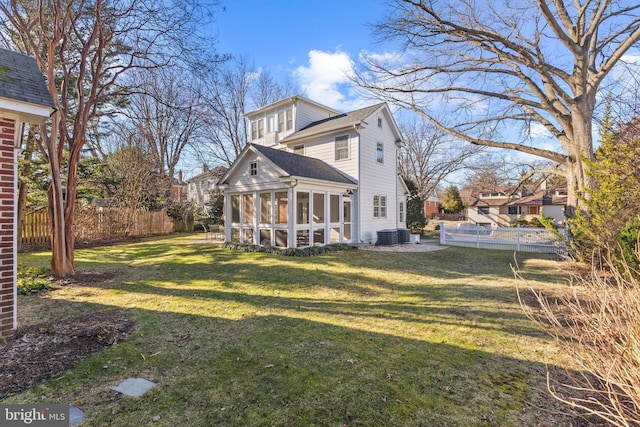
212,213
415,209
612,219
452,202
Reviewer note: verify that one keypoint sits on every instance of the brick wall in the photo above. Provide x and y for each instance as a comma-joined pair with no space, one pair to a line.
7,238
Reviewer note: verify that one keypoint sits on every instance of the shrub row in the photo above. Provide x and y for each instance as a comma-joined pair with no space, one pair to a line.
304,252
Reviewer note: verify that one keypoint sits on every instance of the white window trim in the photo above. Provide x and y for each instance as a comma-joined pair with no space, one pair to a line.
342,138
377,208
253,166
380,160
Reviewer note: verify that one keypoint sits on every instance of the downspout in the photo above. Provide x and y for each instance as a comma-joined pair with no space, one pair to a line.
16,152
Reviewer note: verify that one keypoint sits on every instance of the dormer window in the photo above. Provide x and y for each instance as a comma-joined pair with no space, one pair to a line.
253,168
281,122
289,117
260,128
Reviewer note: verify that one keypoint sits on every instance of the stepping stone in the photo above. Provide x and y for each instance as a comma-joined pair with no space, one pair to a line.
134,387
76,416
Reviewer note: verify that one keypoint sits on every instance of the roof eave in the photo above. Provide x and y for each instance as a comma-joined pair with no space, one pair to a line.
293,138
290,100
28,112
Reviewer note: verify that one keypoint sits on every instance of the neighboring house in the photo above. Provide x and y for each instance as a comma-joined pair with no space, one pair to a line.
179,189
23,99
312,176
200,187
500,207
431,207
101,204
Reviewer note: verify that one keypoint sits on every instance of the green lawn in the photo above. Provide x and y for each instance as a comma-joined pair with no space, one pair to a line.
347,338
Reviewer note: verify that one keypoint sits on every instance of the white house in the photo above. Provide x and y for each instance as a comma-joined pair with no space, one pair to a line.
502,206
200,187
311,175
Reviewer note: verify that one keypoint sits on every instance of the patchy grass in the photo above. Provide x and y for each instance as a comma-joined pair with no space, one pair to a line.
346,338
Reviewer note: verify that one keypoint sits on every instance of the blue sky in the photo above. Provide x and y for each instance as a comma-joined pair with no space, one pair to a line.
308,42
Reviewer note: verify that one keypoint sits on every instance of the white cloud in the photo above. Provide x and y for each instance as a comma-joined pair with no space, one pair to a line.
326,79
537,130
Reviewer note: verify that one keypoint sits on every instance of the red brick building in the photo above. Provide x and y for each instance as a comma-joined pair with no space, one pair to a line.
431,207
23,99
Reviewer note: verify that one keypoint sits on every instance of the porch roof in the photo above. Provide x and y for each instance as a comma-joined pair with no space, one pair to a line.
303,166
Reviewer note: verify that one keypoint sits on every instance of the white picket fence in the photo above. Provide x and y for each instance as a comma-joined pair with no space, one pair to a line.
502,238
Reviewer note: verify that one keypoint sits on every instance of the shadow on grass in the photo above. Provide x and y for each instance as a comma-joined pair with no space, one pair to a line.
278,370
296,357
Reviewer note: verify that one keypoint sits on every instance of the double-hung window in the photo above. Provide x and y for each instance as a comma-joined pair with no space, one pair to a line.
342,147
260,128
289,117
281,122
379,206
380,152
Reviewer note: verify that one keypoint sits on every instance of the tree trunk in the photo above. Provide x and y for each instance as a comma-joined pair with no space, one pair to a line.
61,264
579,150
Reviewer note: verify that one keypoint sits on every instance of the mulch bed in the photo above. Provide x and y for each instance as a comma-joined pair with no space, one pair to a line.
41,351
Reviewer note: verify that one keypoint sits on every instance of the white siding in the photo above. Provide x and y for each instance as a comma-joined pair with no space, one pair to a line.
556,212
323,148
268,176
306,113
377,178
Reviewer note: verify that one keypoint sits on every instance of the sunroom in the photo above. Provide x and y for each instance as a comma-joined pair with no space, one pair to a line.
276,198
291,217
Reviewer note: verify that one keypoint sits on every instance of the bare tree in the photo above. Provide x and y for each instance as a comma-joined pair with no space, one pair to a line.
510,69
227,94
430,155
163,117
83,48
265,89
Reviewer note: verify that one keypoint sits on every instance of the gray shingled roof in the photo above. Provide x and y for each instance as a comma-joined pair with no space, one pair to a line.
21,79
335,122
302,166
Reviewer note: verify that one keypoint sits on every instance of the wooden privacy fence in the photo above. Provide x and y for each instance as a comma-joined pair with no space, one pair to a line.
93,224
35,228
